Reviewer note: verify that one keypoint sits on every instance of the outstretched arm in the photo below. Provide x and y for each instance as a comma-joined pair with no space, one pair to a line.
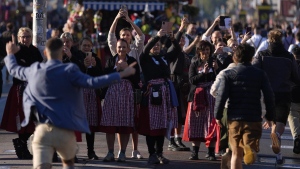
134,26
111,39
209,31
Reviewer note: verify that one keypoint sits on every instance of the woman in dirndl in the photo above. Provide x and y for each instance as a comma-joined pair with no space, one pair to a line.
13,113
158,108
92,98
200,125
119,108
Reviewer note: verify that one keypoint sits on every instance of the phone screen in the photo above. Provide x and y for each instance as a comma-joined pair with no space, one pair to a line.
222,20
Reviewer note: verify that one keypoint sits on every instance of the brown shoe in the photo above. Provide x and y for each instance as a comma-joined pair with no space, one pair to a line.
275,143
249,155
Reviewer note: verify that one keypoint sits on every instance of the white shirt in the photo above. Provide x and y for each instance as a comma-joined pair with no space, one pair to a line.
256,41
263,46
292,46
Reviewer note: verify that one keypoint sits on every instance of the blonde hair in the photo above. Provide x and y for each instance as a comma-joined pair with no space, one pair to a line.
66,35
230,41
275,36
24,29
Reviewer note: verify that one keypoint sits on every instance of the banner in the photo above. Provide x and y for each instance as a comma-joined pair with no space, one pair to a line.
264,12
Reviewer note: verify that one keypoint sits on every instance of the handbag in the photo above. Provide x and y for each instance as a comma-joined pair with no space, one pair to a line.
156,95
200,100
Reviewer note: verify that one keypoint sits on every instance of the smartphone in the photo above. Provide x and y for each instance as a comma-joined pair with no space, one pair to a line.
124,7
222,20
210,62
167,26
248,29
227,49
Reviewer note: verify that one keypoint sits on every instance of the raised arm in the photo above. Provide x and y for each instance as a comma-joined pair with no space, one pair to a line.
192,45
183,25
111,39
233,35
246,37
12,66
209,31
178,35
150,45
173,53
134,26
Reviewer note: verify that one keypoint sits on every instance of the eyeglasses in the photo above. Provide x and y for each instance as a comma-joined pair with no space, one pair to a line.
27,37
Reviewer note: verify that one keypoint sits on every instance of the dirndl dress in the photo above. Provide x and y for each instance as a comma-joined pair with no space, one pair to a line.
153,119
200,124
118,109
13,112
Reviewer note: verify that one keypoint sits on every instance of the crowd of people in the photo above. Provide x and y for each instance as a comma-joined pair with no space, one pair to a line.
209,87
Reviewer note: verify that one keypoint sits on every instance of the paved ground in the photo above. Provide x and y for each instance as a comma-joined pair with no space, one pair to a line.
179,160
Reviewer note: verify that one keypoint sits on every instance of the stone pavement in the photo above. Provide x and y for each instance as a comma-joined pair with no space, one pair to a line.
179,160
8,159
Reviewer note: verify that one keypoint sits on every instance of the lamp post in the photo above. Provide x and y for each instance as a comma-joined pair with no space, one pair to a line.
39,24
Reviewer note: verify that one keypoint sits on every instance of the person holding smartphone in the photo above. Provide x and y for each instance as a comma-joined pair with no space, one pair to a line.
179,76
159,103
92,97
134,50
200,125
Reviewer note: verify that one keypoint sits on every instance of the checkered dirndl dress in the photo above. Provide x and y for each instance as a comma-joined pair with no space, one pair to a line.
197,124
91,106
118,108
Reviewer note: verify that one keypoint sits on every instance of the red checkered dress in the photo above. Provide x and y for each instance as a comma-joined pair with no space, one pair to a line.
159,115
197,124
118,108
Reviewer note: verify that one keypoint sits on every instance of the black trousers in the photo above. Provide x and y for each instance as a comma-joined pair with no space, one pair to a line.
155,144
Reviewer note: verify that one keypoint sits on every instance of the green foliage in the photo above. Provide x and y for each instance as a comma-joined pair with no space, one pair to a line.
209,6
191,10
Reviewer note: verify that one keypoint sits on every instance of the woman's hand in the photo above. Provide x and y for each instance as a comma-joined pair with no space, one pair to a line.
127,17
219,50
87,62
67,51
215,65
161,33
121,14
206,68
246,37
121,65
93,61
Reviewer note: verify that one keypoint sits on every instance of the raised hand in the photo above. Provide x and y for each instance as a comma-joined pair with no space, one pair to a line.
12,47
161,33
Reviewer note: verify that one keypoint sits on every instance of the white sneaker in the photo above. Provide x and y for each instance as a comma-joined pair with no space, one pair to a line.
136,154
